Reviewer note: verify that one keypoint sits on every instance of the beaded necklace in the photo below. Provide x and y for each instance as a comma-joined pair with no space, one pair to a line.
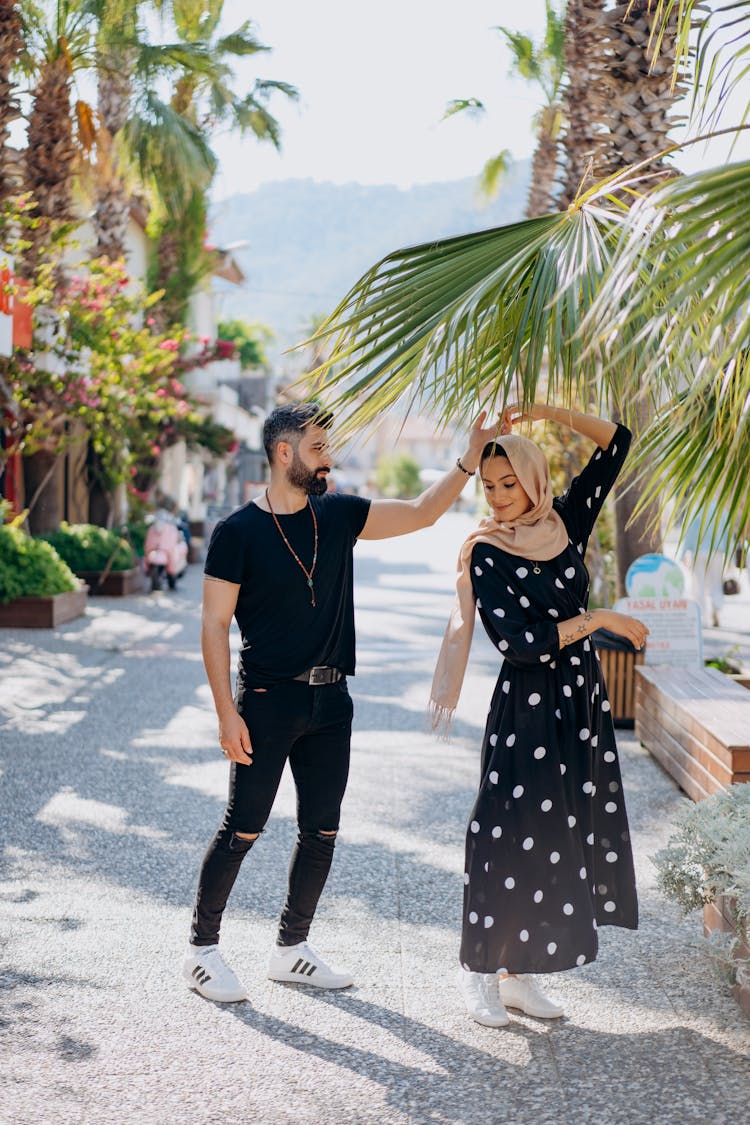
307,573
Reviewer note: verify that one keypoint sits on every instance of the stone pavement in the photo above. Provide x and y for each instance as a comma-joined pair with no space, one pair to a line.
112,784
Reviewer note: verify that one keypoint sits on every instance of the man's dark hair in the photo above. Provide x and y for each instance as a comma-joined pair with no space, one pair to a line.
287,423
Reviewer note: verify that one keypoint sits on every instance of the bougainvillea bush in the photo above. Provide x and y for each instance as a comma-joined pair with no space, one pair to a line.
99,370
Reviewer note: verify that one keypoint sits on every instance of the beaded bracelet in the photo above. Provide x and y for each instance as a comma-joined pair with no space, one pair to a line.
463,470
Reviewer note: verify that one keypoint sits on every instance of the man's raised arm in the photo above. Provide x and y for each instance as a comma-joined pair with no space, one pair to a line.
388,518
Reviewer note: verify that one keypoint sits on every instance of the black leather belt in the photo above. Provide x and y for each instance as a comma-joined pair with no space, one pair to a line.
321,674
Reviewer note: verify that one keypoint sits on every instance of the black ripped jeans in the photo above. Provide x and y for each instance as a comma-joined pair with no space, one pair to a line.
310,726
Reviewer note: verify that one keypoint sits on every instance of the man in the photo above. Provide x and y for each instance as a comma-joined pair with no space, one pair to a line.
282,566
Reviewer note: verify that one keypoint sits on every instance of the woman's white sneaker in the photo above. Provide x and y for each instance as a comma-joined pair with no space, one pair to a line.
205,970
481,997
300,964
525,994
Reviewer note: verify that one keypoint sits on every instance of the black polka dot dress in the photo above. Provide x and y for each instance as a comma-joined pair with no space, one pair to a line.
548,856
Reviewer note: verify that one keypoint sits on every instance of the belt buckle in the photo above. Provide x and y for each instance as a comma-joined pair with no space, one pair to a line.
319,675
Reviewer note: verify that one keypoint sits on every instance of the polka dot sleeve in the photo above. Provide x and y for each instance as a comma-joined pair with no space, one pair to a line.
581,503
513,625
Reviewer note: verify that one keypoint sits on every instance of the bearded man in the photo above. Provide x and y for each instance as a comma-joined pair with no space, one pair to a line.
281,565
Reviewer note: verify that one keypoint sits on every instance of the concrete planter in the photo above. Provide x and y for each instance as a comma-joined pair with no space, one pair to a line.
44,612
117,584
721,916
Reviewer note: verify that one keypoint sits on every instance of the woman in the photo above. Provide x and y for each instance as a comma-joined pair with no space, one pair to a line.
548,855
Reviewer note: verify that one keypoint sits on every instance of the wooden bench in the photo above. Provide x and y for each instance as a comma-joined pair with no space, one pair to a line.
696,723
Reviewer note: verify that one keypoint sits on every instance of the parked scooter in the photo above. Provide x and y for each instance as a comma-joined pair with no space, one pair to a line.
165,551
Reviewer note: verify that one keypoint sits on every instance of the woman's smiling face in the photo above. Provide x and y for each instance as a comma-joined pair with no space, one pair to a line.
505,496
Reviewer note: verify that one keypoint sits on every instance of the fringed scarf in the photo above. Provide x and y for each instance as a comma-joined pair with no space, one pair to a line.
537,535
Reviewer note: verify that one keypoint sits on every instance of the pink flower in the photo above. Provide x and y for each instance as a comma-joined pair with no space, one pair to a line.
150,321
169,346
155,451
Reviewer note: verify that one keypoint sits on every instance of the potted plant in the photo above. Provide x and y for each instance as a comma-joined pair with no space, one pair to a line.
102,558
706,864
731,665
37,589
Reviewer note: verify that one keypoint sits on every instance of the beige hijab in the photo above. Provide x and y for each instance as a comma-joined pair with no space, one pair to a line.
538,535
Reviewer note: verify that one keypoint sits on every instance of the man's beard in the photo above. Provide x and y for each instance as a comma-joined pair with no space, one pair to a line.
299,476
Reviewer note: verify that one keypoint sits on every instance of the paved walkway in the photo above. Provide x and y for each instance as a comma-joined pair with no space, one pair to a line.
112,785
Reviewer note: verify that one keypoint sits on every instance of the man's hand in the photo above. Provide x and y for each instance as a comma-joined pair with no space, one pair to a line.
234,738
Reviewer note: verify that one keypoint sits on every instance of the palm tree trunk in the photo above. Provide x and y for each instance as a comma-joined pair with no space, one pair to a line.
11,45
50,153
641,102
112,208
585,108
543,174
640,96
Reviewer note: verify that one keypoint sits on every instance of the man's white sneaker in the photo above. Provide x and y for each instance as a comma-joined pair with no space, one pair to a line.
525,994
481,997
300,964
205,970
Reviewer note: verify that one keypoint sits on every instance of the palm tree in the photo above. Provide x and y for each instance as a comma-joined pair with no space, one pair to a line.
654,296
164,142
584,103
541,64
57,132
11,46
202,97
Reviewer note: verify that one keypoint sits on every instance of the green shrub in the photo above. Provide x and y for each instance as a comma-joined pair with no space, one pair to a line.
30,567
397,475
137,535
707,856
84,546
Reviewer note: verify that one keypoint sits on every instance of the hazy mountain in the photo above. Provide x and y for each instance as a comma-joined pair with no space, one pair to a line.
308,242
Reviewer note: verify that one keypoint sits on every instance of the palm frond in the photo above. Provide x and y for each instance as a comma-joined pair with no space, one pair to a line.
241,42
196,19
472,106
466,323
492,173
697,452
680,273
720,53
170,154
526,61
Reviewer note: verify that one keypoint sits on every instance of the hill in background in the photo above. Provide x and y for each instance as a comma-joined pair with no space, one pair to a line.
308,242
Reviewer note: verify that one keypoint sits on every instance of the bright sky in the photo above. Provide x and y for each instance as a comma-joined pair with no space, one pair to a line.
374,80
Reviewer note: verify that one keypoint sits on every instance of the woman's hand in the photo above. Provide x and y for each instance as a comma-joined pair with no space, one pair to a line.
513,415
600,430
629,627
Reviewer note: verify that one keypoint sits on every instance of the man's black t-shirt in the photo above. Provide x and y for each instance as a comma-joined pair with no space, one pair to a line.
283,634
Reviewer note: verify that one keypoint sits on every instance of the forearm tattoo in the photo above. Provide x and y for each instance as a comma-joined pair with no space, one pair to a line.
581,630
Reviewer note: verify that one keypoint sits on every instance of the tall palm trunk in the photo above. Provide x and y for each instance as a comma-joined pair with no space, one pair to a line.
50,153
49,168
585,108
640,96
11,45
544,165
112,203
641,104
